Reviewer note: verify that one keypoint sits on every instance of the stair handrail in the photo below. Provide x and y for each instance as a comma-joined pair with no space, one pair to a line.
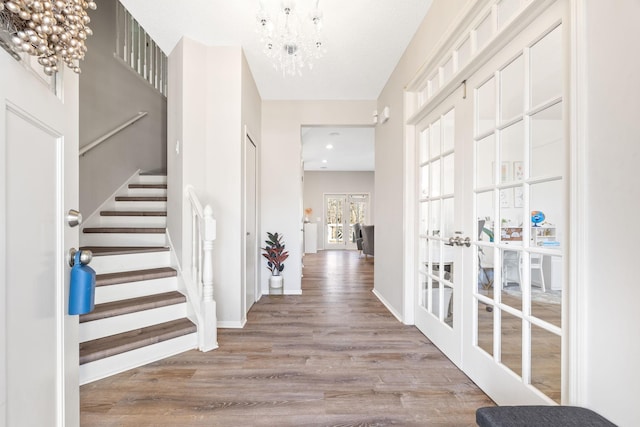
90,146
203,234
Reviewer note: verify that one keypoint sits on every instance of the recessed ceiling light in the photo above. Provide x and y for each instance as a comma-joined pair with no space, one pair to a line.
324,161
334,134
329,146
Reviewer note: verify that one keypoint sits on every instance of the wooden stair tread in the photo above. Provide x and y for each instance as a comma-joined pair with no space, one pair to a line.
141,198
133,213
127,341
133,305
123,250
135,230
134,276
154,186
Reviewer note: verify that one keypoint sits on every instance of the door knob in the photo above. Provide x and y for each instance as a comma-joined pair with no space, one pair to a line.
74,218
85,256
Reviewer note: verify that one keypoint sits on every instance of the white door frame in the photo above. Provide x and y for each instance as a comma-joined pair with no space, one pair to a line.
249,139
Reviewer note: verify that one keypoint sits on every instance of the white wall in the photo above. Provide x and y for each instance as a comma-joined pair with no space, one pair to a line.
281,175
390,169
317,184
208,85
110,94
611,144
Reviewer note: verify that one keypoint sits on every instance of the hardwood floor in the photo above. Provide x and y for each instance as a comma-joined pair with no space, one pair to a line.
331,357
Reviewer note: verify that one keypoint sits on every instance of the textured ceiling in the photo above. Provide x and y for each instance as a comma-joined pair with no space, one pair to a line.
364,40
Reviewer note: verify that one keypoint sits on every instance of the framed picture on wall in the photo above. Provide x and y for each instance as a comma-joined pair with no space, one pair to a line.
518,171
506,198
518,197
505,172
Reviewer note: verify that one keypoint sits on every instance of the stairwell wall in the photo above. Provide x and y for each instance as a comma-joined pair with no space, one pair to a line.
211,97
110,94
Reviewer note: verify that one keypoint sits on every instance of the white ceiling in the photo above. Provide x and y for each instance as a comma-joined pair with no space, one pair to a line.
364,40
352,148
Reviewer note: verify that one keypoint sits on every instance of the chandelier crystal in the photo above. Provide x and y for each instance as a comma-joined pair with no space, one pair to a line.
291,42
53,31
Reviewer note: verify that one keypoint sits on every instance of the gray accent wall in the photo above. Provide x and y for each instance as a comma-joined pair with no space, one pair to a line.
110,94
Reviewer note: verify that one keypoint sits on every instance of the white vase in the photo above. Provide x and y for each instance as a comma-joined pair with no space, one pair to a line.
275,282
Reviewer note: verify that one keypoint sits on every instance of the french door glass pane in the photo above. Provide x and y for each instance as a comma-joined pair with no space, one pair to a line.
546,68
435,140
547,153
548,198
464,53
447,304
424,181
511,150
511,279
423,147
546,288
485,212
512,90
334,220
423,218
511,342
485,161
485,328
447,216
448,174
448,140
486,107
545,362
434,226
435,179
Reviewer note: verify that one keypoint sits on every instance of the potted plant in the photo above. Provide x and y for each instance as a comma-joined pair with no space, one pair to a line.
275,254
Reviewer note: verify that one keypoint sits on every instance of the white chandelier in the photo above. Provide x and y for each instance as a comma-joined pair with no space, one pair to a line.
289,41
52,30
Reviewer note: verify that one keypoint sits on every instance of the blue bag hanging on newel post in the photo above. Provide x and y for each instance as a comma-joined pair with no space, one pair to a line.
82,287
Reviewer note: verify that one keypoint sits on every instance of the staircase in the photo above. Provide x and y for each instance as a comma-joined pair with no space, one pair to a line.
140,315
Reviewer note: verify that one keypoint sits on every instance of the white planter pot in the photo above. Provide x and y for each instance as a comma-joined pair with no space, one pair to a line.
275,282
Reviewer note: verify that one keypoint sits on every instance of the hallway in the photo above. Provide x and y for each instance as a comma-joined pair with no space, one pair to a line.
333,356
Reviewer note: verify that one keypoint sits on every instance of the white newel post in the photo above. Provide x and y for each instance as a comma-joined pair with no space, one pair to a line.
208,338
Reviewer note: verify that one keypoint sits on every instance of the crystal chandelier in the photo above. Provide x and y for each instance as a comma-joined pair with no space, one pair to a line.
50,30
289,41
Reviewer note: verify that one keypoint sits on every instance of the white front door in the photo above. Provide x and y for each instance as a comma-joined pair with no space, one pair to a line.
251,249
38,186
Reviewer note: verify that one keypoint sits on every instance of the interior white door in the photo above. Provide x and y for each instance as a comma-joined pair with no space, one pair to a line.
441,139
39,184
250,201
514,333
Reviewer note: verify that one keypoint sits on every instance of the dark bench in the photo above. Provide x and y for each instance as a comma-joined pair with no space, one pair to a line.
539,416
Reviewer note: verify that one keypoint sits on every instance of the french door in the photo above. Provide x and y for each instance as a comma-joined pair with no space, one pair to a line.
491,174
341,212
441,237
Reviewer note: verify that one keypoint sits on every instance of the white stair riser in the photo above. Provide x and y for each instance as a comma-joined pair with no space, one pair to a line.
135,289
130,221
129,262
103,368
146,192
123,239
140,206
151,179
128,322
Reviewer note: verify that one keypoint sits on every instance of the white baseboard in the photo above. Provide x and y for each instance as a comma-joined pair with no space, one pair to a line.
388,306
